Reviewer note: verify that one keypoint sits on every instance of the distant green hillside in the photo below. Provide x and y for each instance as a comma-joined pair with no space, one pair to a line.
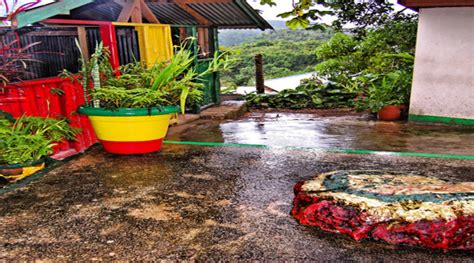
232,37
285,52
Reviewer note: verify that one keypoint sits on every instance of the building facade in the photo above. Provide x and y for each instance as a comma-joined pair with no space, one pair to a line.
443,81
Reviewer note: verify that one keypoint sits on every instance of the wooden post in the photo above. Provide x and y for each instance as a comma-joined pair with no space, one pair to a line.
107,33
195,47
203,41
135,9
136,16
182,34
206,42
217,80
82,36
259,74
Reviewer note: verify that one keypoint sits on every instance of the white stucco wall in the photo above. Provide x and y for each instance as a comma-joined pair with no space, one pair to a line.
443,83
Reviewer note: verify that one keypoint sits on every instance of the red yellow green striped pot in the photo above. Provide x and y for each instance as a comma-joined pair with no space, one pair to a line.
129,130
14,172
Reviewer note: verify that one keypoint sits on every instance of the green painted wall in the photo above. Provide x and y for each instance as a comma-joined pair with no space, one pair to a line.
438,119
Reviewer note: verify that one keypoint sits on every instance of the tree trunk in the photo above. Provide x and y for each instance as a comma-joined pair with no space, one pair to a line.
259,74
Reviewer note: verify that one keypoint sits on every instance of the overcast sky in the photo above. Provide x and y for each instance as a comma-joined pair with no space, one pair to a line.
270,13
19,3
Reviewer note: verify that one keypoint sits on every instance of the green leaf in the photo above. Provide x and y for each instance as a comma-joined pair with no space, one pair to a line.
267,2
184,95
298,22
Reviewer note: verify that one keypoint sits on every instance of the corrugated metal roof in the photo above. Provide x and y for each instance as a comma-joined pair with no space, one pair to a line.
99,10
170,13
231,14
223,14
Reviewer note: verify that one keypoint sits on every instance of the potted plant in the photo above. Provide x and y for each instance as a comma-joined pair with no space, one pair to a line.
130,108
27,141
388,93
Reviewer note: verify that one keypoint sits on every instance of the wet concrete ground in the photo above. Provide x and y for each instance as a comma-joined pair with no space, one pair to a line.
194,203
344,132
219,203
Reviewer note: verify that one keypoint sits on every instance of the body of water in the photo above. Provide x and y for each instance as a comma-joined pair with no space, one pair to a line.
278,84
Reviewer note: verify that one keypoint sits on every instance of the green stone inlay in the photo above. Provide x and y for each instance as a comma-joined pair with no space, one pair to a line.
124,112
327,150
339,183
438,119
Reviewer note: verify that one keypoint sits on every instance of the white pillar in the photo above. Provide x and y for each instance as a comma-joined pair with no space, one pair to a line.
443,82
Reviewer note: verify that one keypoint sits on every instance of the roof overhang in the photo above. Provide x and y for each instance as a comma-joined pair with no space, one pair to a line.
215,13
43,12
417,4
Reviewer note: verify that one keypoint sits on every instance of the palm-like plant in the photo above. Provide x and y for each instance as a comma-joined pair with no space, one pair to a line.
135,85
90,73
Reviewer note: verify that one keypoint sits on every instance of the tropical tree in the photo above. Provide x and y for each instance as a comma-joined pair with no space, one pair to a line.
360,14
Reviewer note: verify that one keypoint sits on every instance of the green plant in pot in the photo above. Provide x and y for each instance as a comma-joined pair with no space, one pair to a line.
387,93
130,108
27,141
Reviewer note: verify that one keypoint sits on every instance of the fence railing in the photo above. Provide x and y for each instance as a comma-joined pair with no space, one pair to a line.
56,97
51,97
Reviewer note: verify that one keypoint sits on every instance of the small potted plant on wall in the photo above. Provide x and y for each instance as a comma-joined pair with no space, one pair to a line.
27,141
130,108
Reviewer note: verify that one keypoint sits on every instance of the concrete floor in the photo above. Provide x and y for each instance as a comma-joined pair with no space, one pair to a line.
192,202
196,203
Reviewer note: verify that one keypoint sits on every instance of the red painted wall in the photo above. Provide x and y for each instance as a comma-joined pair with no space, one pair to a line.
40,97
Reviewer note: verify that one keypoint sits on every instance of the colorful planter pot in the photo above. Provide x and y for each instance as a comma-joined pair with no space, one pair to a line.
128,130
14,172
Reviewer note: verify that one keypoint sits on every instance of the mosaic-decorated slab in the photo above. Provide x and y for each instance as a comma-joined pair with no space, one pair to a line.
395,207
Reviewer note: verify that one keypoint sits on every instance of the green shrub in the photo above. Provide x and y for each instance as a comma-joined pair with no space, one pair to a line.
31,138
378,67
392,88
312,93
345,57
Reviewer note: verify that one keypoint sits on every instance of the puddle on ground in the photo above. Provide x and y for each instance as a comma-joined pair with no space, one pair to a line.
343,132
